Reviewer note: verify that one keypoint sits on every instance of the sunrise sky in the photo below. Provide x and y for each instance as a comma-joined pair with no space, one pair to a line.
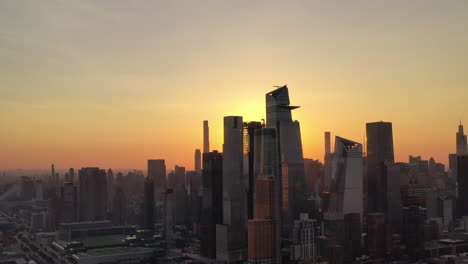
112,83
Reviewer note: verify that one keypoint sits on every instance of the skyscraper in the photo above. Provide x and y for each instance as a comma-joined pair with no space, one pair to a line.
206,137
148,204
194,188
157,172
347,171
278,108
212,202
69,199
462,148
268,183
231,236
379,156
92,194
249,150
180,196
279,116
197,161
327,162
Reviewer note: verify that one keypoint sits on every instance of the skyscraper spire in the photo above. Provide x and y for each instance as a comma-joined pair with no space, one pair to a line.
462,148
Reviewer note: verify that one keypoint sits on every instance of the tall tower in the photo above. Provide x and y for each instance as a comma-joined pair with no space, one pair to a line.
279,116
327,162
180,196
249,150
462,148
379,156
148,204
157,172
232,235
206,137
69,199
92,194
197,161
212,202
268,186
347,172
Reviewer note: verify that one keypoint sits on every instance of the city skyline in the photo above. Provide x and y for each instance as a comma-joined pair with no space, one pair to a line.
125,96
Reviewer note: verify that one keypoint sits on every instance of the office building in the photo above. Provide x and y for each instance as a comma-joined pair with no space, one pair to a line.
148,204
462,148
249,151
327,162
179,185
379,155
92,194
212,203
279,116
231,236
69,199
197,161
157,172
347,172
268,184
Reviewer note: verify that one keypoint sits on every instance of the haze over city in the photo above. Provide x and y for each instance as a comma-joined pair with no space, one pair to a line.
114,83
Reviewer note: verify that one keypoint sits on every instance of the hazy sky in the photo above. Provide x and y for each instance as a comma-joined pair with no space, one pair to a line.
114,83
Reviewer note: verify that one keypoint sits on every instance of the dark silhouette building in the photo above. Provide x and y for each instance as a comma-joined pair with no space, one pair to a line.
148,205
206,137
279,116
231,236
249,150
380,156
212,202
197,161
92,194
157,172
268,183
69,199
462,147
179,185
